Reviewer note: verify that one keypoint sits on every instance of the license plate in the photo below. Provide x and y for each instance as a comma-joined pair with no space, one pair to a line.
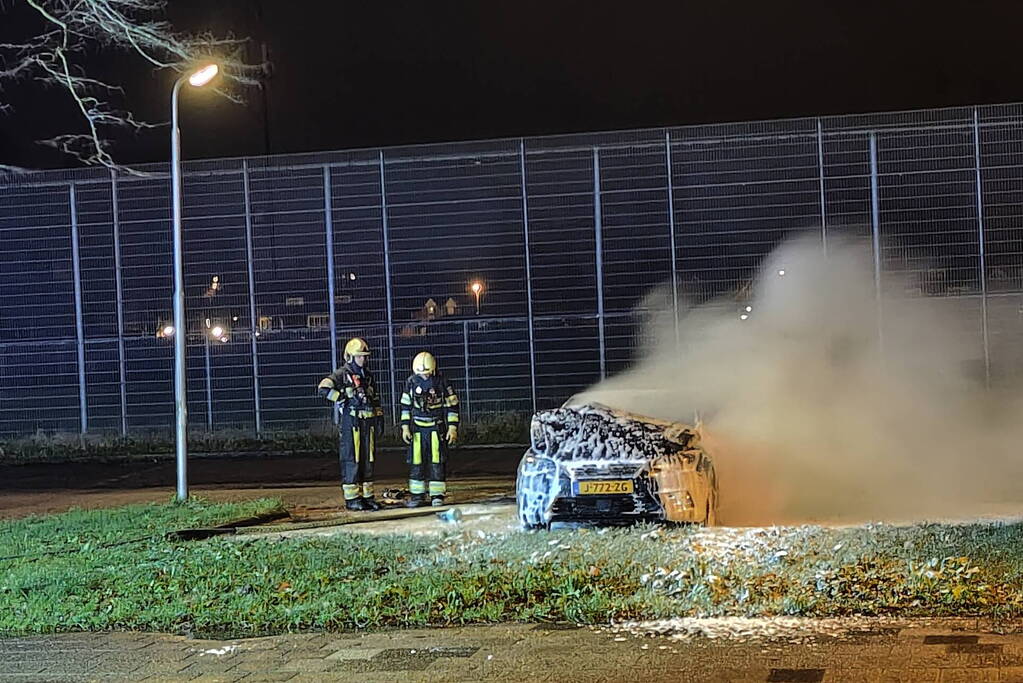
603,486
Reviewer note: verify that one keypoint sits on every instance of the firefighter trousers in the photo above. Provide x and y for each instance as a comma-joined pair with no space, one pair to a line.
357,451
427,457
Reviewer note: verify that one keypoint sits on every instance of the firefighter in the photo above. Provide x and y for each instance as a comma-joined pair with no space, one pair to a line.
354,394
429,424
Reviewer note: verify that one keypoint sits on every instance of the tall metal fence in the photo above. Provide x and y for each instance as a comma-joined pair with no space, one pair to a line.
288,256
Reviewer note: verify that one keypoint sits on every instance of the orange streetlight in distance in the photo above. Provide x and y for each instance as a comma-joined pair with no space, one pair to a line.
477,289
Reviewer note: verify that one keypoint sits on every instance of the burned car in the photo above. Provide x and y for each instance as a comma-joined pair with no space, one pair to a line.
593,464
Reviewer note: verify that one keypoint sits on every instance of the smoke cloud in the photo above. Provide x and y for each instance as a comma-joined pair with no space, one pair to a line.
823,406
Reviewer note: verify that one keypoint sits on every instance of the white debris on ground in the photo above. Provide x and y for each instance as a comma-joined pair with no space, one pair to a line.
790,629
740,545
219,651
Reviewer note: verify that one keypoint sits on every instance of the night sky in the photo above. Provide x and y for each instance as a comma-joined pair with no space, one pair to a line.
356,74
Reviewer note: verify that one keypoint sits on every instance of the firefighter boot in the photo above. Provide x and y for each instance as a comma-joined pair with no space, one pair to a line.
437,501
370,504
356,504
416,500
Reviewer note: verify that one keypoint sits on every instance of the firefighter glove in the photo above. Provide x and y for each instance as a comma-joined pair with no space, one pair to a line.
406,434
452,434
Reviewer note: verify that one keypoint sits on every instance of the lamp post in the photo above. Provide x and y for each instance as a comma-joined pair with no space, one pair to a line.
477,289
197,79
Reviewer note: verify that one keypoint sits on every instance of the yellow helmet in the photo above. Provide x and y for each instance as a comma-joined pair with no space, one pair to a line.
356,347
424,363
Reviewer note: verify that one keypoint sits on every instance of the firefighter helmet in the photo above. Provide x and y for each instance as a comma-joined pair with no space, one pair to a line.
424,363
356,347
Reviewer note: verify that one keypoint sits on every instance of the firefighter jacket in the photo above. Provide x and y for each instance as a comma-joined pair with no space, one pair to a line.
354,391
429,402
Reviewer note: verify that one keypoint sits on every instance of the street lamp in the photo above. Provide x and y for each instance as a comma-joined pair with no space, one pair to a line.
477,289
197,78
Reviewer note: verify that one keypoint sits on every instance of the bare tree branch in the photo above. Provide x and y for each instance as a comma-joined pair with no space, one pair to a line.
56,58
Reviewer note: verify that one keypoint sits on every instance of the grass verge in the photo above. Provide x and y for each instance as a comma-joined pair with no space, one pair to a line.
75,572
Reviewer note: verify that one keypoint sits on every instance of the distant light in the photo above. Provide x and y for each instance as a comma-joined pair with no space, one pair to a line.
351,276
743,317
781,272
224,339
217,331
749,309
235,318
204,75
476,288
168,331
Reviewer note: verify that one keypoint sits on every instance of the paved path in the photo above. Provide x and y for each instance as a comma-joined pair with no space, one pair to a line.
937,653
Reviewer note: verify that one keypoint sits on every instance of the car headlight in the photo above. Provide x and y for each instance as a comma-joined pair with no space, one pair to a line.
537,437
537,464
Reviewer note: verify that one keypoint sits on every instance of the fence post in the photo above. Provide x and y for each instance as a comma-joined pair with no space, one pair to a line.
253,321
465,355
671,233
529,275
328,223
328,227
387,280
980,232
820,176
209,382
875,229
118,288
83,410
599,249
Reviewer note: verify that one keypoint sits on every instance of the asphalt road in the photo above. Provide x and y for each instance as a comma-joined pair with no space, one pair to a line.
300,481
242,470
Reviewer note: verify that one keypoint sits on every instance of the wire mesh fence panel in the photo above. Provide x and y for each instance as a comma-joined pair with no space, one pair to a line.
37,293
844,159
39,379
290,266
103,381
575,243
227,378
630,335
217,301
149,364
455,223
567,357
1005,326
94,207
39,388
360,277
562,242
145,231
928,210
738,198
636,231
498,366
1000,166
291,364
